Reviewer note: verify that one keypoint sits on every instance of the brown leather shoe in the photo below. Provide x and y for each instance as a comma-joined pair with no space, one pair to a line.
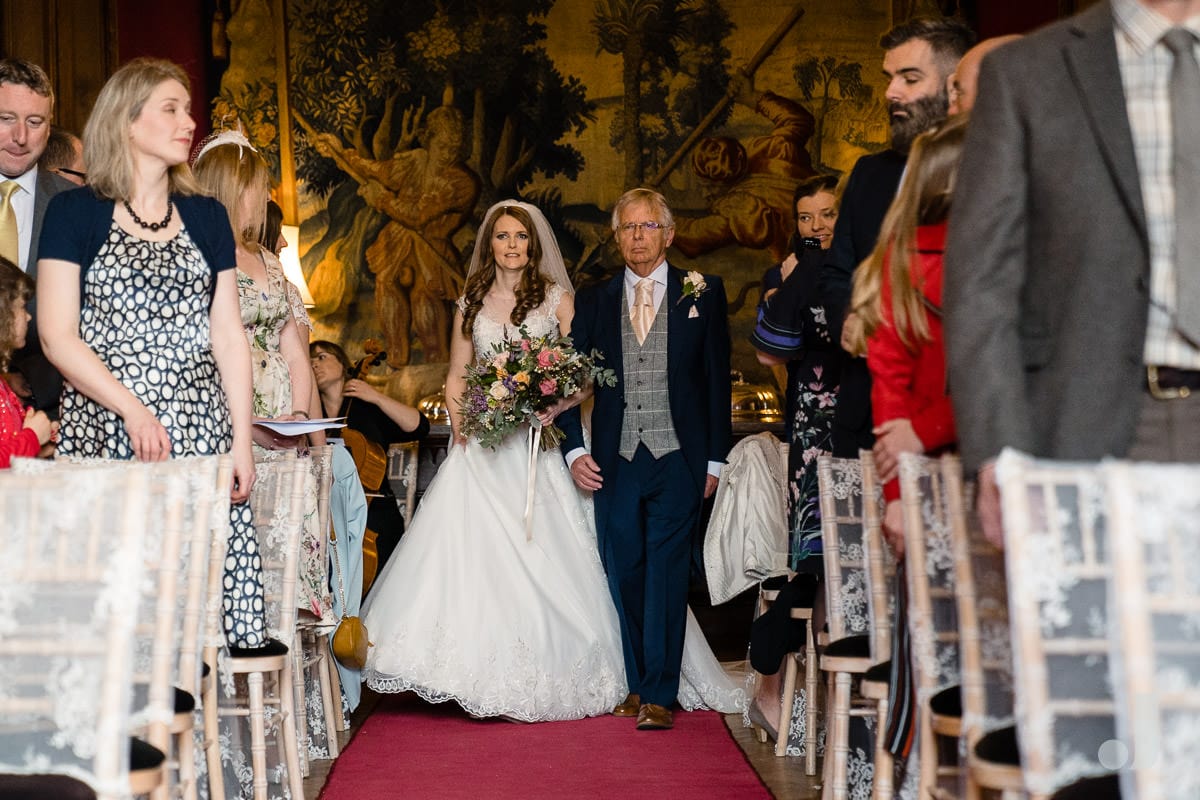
627,707
654,718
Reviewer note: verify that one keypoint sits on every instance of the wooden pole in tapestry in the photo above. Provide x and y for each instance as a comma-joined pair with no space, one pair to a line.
287,158
751,67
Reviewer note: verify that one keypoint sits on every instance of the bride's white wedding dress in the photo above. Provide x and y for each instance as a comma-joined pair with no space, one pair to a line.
467,609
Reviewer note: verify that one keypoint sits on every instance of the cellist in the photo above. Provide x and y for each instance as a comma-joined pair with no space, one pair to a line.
380,420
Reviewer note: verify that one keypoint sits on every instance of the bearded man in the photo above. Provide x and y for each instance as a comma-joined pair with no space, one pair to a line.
919,56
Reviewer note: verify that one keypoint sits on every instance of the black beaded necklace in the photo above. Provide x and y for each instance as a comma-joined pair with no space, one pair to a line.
150,226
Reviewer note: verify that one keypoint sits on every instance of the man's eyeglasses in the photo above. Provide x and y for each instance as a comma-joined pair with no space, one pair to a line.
649,227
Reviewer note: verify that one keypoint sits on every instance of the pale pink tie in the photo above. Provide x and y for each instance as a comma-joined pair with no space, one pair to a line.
642,313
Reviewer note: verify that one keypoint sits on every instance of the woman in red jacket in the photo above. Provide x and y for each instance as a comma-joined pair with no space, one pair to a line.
898,298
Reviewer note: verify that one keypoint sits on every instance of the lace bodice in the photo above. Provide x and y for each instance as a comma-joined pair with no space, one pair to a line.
539,322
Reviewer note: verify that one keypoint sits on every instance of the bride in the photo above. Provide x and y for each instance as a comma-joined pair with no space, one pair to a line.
468,609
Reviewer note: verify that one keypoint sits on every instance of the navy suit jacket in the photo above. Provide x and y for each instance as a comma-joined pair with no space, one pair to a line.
43,378
698,373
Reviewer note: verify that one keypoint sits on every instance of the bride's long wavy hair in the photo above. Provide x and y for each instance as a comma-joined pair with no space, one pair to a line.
531,290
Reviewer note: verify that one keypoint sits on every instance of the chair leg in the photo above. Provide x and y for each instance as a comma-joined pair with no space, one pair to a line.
185,754
335,690
300,723
830,738
841,726
331,704
290,743
883,759
787,701
212,744
258,735
928,782
811,687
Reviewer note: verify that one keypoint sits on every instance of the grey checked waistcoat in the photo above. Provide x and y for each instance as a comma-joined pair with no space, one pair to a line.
647,416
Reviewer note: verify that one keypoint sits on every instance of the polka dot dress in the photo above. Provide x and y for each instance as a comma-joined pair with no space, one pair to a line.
145,313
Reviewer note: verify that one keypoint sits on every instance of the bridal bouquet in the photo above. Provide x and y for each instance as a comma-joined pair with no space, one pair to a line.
524,376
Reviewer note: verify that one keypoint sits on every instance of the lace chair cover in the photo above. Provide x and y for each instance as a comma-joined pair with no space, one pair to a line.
69,590
161,615
317,723
314,596
932,606
985,640
881,564
282,498
841,502
932,609
1059,564
842,494
1155,521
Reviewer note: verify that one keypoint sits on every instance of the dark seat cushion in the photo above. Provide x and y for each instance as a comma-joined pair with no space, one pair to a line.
880,673
43,787
1106,787
947,702
272,647
184,702
849,647
775,634
999,747
143,755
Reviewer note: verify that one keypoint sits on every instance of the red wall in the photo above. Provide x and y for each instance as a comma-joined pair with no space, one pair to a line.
1013,16
178,30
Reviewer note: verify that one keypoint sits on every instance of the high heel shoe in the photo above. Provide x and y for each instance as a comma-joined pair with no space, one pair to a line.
763,728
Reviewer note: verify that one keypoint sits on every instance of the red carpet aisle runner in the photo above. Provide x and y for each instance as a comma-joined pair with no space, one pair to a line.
408,749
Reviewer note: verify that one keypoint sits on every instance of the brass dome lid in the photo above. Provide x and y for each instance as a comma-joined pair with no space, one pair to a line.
754,402
434,408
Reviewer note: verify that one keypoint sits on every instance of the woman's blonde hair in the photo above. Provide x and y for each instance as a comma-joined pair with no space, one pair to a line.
923,199
106,136
230,172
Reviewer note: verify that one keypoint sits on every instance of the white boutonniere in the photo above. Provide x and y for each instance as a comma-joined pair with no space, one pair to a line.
694,285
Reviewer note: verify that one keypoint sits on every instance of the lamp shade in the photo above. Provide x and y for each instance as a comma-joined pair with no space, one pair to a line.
290,258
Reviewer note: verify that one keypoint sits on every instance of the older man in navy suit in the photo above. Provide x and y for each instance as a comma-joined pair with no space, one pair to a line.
659,438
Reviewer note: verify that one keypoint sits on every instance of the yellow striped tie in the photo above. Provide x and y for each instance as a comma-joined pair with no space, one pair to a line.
10,246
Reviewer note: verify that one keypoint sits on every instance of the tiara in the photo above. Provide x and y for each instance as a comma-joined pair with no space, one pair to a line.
230,136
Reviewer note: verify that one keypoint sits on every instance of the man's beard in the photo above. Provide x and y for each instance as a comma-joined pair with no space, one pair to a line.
922,114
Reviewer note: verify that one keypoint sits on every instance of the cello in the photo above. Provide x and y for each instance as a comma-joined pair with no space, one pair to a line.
370,460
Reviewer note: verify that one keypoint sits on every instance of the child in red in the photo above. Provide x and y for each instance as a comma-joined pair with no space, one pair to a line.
23,431
898,299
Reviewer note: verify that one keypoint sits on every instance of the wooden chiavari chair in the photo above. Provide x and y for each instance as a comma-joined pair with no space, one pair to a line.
1058,558
1154,513
932,617
844,496
278,503
985,649
70,585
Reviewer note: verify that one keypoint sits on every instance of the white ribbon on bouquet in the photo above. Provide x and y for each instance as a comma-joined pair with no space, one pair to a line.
535,444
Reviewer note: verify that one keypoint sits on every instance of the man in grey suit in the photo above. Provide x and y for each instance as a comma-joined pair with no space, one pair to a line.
1070,281
26,108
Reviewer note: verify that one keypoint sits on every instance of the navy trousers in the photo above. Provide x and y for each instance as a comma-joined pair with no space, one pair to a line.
652,509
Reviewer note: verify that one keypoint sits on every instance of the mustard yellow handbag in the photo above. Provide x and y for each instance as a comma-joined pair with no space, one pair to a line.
350,641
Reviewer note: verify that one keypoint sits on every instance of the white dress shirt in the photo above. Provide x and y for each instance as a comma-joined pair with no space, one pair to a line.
22,205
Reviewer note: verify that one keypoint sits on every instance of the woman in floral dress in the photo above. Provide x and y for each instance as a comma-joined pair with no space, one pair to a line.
233,172
791,330
230,169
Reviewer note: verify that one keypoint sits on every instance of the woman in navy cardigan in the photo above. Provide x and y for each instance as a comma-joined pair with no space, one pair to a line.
138,309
